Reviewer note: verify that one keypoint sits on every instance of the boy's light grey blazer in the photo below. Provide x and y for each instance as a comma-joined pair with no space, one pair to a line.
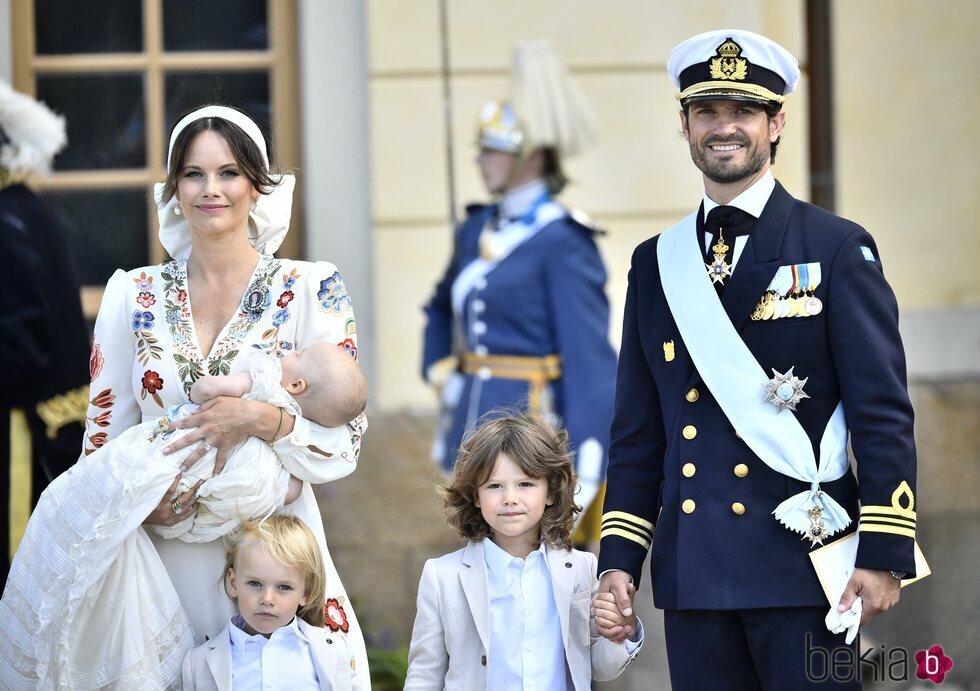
451,638
208,667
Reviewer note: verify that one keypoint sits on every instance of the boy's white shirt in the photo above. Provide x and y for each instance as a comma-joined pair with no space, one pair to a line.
525,632
209,667
451,639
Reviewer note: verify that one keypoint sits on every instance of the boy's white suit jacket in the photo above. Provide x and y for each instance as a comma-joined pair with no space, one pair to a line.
451,638
208,667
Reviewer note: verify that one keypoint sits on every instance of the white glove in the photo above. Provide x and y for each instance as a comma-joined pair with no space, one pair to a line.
850,621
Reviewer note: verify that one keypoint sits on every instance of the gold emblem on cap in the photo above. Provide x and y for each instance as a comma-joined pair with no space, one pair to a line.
728,66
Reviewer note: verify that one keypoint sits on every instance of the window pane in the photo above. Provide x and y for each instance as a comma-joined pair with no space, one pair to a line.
247,91
106,119
108,230
92,26
215,25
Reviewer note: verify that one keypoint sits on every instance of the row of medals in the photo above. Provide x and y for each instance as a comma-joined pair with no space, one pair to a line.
775,306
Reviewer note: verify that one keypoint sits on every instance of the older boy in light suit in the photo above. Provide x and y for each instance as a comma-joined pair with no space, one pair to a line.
452,632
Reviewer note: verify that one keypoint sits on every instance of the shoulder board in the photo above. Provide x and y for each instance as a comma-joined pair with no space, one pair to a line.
583,219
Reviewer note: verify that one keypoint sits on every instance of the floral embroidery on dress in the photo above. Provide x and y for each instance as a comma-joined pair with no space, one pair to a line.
192,364
95,362
349,345
104,401
333,296
152,383
271,343
336,617
143,321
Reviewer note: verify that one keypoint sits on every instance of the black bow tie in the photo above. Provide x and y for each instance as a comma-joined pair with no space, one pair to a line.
730,220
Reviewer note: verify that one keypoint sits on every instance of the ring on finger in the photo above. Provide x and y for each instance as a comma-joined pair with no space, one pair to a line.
204,444
177,506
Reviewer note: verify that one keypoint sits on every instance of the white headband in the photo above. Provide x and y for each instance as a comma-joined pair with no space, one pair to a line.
268,222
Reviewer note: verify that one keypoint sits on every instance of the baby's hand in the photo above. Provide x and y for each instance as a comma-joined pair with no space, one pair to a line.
607,613
203,389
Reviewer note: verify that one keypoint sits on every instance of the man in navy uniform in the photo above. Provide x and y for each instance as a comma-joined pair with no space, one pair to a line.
758,333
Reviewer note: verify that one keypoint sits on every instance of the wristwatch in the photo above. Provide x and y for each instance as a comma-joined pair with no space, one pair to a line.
898,575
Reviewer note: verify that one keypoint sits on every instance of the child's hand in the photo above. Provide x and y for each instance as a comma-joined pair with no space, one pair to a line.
607,613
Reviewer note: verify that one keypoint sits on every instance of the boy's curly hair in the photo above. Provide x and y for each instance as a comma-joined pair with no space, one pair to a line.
538,449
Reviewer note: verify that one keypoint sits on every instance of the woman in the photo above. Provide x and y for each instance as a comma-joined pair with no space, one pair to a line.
160,328
520,316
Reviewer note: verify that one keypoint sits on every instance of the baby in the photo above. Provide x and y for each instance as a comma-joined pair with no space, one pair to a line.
328,387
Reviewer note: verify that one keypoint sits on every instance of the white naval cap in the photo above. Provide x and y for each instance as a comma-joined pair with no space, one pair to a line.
732,64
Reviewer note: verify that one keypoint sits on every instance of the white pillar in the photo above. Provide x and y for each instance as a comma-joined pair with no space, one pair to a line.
6,43
335,169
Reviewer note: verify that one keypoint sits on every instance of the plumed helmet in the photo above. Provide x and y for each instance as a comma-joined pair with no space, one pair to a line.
30,134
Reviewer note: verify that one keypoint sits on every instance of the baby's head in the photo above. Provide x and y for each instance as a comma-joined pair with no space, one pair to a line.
522,443
327,383
274,572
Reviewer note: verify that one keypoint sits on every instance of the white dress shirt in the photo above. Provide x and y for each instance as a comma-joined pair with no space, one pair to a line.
282,661
751,201
526,650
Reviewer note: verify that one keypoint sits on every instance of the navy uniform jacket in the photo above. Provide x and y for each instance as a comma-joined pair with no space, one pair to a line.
545,297
45,345
716,557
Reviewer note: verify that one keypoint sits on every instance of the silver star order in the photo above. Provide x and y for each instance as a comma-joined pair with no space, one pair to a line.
785,390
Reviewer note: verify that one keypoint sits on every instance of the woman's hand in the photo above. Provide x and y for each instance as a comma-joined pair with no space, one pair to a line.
166,512
222,423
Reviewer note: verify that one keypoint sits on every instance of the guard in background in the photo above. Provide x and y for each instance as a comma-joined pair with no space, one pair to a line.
520,318
44,343
759,333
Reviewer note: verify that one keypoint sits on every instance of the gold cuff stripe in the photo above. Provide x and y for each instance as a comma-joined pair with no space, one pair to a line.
631,518
645,534
726,88
63,409
865,527
889,511
894,520
616,532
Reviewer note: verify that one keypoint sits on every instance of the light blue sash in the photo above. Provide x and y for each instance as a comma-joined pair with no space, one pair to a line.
737,381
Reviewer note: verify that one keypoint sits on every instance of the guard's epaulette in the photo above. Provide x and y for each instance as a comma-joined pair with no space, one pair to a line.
584,220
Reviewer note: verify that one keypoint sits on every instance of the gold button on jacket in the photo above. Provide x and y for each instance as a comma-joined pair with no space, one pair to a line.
741,470
688,506
691,395
738,508
689,469
690,431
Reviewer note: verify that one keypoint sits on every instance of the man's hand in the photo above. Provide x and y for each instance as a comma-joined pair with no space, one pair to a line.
619,584
878,591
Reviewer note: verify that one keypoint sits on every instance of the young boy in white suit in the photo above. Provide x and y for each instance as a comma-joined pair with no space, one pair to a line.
274,573
512,608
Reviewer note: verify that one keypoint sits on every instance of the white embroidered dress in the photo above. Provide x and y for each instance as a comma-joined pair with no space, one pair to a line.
144,360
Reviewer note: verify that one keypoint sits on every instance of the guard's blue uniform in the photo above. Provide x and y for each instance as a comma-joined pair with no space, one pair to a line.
546,297
679,469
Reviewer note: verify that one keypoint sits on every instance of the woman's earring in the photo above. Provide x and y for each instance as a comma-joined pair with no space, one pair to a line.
177,210
254,204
